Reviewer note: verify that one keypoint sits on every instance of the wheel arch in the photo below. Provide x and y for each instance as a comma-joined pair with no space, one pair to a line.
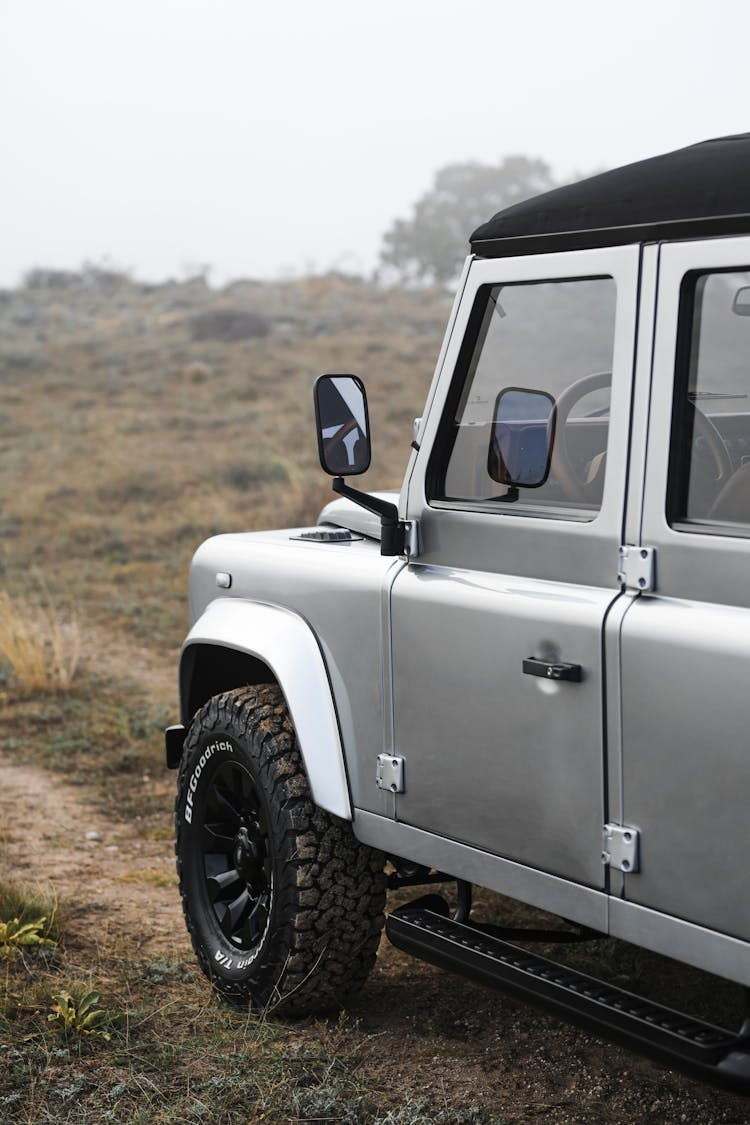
236,642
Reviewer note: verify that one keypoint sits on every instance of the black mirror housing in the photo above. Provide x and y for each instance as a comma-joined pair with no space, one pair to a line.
522,437
343,425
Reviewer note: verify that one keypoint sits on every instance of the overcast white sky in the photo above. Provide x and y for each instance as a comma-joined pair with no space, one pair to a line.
267,139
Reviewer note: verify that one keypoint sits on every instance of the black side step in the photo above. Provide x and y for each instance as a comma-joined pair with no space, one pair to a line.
717,1055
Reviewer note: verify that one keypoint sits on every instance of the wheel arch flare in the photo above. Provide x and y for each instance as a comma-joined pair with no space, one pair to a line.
236,642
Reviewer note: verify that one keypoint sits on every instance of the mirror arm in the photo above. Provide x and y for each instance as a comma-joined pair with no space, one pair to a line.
374,504
392,530
510,496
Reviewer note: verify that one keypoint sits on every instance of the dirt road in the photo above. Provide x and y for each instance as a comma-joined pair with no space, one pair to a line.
117,878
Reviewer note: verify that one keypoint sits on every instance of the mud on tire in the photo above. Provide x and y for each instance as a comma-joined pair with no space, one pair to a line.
283,905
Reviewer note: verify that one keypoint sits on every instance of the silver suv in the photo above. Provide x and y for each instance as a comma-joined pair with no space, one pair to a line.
530,670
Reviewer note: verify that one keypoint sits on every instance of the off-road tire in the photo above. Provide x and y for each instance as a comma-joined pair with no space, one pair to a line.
319,894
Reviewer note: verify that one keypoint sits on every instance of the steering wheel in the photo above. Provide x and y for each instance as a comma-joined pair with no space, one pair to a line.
578,487
705,428
572,481
337,453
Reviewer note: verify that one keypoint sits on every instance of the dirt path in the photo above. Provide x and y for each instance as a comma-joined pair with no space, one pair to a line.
111,654
120,879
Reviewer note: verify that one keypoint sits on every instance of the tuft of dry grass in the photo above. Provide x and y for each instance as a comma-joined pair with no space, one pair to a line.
39,648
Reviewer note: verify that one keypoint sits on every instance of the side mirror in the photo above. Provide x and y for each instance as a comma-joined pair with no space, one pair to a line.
521,438
741,302
343,425
344,448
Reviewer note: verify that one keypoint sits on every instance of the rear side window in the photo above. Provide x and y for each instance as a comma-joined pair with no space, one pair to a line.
709,487
553,337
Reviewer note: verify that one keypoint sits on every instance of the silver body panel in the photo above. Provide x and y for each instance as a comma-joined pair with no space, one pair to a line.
578,904
704,948
686,765
339,590
508,780
503,761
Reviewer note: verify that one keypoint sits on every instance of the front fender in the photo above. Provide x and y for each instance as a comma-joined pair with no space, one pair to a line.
284,642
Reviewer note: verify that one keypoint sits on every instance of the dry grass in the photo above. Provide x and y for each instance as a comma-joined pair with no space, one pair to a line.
126,441
40,650
104,735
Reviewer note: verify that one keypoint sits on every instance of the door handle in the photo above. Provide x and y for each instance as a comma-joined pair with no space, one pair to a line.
550,670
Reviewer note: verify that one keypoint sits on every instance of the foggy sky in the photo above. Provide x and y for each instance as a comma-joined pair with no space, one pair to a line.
277,139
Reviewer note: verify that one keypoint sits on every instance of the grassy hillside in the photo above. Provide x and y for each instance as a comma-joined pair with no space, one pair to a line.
136,420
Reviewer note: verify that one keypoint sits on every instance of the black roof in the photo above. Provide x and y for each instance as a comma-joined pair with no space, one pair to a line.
700,190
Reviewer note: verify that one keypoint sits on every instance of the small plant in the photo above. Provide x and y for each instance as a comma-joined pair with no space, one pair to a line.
80,1016
41,652
28,922
16,935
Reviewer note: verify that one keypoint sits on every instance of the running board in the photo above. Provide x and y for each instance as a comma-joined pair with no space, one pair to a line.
422,929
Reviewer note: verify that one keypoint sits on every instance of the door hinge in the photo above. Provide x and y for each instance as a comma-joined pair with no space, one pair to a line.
621,848
411,539
637,568
390,773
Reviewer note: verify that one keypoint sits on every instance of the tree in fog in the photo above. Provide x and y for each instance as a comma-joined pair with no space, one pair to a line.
432,244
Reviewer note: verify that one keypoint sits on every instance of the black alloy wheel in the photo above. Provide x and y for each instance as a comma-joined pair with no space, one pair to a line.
236,857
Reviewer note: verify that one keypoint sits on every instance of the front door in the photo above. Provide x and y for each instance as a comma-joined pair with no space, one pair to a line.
497,757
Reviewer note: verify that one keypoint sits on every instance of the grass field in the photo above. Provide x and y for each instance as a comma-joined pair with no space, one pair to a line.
135,421
129,431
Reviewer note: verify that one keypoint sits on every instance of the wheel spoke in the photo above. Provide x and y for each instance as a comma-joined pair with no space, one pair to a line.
219,884
215,838
217,863
233,914
225,804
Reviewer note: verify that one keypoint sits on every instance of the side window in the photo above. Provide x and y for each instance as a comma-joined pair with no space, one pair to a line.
709,484
554,337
